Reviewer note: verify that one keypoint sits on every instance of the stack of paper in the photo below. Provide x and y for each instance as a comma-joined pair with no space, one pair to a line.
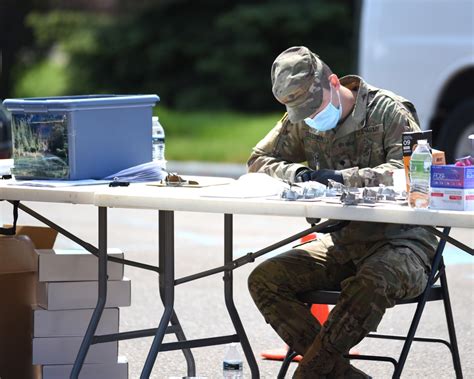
146,172
248,186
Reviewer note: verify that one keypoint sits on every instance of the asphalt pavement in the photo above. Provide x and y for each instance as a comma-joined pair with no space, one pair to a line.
200,305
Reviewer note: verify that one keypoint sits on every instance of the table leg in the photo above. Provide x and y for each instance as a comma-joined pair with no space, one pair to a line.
229,299
188,355
166,257
102,296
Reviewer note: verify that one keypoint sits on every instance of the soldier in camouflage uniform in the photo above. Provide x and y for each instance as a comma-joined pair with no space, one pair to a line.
372,264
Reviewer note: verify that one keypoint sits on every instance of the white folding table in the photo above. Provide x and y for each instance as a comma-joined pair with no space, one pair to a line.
167,200
170,200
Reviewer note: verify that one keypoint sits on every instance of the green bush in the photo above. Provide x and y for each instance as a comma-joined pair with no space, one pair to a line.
46,78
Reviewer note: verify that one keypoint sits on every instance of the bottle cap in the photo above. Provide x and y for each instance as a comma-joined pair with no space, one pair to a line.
422,141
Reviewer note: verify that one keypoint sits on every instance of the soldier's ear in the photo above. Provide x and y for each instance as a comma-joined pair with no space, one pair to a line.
334,81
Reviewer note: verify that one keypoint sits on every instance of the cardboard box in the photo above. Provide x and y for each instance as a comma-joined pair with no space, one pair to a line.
82,295
42,237
80,137
439,157
451,176
410,140
452,188
454,199
116,370
72,322
58,265
18,265
63,350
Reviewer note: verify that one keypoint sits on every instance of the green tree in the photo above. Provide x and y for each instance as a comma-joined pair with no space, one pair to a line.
209,54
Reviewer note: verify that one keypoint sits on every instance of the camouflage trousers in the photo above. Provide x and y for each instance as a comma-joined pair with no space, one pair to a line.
367,288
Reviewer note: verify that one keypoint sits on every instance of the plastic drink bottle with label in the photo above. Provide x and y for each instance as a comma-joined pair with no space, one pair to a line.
420,169
232,365
158,142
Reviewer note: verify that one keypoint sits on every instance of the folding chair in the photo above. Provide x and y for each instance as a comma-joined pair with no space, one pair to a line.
433,292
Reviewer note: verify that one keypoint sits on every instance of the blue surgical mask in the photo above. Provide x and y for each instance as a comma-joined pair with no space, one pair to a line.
328,118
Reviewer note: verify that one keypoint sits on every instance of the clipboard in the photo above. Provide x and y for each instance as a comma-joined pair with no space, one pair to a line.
193,182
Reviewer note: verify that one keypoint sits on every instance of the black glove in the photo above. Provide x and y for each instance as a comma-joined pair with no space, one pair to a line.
321,176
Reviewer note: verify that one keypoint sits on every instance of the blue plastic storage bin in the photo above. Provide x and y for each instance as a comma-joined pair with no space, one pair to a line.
80,137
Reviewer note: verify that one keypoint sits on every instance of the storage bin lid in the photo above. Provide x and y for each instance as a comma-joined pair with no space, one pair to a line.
71,103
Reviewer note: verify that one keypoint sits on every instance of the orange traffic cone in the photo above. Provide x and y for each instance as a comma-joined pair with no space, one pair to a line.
321,312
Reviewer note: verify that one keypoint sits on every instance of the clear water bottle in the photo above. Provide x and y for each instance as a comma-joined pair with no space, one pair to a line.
158,141
232,365
420,169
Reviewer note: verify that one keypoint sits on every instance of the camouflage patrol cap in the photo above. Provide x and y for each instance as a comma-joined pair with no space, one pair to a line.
296,82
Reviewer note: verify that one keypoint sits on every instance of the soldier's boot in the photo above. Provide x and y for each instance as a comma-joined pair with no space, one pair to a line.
344,370
317,362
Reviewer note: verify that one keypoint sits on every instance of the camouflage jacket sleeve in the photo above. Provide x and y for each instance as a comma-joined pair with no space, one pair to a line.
396,119
280,153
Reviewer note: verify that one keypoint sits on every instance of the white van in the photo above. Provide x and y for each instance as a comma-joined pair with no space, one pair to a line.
423,50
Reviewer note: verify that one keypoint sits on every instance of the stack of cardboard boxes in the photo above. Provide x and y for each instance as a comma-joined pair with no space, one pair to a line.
452,188
18,281
66,296
48,301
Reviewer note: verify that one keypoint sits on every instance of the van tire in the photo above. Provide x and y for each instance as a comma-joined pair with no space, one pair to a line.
454,126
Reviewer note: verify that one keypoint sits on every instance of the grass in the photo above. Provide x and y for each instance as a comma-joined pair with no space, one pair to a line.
47,78
213,136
